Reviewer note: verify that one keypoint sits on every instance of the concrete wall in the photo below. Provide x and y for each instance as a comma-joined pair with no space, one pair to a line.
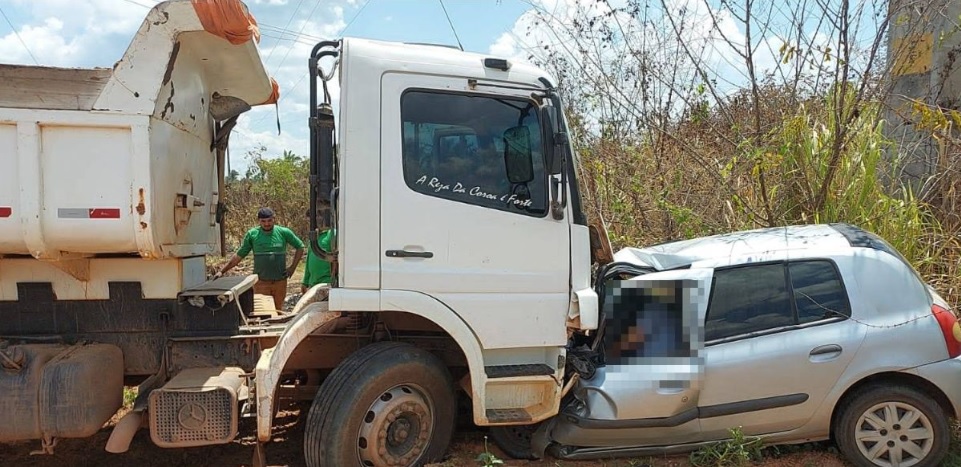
924,44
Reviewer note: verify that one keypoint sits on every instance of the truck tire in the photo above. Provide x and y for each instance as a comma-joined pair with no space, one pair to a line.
387,404
515,440
892,425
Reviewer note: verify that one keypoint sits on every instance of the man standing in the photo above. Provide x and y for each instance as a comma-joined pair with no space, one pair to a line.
269,243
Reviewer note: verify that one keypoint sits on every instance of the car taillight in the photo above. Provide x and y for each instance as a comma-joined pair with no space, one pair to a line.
949,328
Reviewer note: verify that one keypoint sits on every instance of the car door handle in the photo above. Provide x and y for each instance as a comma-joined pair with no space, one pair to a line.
408,254
824,353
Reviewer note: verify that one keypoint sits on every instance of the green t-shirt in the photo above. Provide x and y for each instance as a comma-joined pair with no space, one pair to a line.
318,270
270,250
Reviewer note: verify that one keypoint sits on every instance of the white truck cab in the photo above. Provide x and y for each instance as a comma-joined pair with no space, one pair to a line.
454,200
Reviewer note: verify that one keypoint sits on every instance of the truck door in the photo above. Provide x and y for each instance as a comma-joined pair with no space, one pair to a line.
465,208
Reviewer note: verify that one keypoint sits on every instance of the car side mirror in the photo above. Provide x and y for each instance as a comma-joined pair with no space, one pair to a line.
518,157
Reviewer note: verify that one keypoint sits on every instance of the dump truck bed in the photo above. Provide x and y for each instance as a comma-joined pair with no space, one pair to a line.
120,161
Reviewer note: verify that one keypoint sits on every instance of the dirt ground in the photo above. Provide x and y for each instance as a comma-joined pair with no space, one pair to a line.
287,450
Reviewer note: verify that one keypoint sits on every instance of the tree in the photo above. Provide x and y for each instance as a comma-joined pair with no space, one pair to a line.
695,117
280,183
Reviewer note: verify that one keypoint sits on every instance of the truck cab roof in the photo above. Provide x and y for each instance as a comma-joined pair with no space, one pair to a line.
442,60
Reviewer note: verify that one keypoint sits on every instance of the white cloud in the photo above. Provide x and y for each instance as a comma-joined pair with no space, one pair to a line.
46,42
504,46
70,33
287,54
246,139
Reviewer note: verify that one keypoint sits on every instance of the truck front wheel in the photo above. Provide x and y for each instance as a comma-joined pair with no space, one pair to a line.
388,404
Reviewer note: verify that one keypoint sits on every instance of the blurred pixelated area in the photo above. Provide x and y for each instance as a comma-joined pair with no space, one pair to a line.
648,321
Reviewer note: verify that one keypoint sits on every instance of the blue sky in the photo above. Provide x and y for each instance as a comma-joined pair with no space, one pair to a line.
95,33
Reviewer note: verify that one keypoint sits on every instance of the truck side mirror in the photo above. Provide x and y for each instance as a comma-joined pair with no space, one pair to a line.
518,157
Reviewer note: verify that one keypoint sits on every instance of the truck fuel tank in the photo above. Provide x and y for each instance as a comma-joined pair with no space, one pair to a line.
58,391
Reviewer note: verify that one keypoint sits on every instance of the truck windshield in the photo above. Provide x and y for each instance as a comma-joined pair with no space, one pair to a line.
455,147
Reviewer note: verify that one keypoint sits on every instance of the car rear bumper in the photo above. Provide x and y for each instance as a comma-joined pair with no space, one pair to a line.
946,375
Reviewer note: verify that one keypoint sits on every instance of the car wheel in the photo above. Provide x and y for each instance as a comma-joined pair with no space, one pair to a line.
515,440
388,404
896,426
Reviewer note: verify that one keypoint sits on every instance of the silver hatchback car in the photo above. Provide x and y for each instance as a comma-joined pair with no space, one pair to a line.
793,334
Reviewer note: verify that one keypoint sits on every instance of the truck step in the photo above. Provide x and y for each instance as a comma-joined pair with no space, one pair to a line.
507,371
508,415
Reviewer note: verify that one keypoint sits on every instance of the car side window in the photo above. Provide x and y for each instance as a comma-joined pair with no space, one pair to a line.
480,150
755,298
818,293
748,299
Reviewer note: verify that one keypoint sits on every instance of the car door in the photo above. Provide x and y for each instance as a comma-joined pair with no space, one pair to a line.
456,224
647,391
778,336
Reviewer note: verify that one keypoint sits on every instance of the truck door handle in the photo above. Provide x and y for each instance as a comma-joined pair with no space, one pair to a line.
408,254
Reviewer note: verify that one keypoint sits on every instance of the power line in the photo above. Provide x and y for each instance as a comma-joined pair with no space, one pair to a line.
289,20
451,23
289,35
132,2
263,27
286,39
24,44
302,27
342,31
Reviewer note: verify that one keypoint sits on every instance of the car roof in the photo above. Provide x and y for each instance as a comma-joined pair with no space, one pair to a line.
737,245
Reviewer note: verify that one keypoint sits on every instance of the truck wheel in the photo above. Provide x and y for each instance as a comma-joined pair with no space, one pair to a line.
387,404
515,440
892,426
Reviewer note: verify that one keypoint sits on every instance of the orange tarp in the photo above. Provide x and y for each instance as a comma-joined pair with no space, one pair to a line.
275,94
228,19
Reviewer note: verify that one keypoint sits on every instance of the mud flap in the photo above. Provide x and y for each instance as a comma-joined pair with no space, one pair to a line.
124,431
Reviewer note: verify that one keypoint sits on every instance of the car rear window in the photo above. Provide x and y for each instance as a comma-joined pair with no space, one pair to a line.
858,237
818,291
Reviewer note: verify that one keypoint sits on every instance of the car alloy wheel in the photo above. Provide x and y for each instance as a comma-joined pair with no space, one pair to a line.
894,434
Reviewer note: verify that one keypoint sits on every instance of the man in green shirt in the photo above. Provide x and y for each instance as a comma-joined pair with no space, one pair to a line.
269,243
318,270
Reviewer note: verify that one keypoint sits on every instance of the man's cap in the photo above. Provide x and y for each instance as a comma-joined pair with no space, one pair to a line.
265,213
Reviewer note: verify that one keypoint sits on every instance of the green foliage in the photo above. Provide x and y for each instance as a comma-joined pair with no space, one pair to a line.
129,396
738,451
673,149
487,458
280,183
823,159
953,459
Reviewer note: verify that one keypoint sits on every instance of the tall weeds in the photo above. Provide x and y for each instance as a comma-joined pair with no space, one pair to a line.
708,180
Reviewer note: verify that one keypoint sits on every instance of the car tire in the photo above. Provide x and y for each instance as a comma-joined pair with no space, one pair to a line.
878,423
514,440
388,403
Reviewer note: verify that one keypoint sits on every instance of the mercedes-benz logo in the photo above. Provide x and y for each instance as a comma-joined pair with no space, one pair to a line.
192,416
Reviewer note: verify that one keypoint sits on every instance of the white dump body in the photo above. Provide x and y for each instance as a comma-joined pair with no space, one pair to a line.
120,161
